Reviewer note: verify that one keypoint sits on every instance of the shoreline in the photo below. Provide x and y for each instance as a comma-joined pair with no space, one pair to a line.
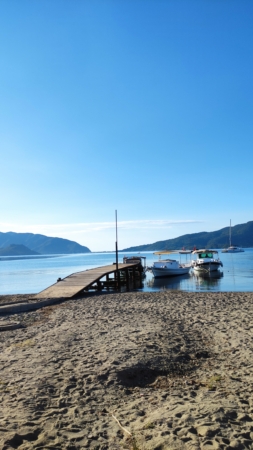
137,370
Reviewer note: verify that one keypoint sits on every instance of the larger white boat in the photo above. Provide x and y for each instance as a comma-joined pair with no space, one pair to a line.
205,261
232,248
169,267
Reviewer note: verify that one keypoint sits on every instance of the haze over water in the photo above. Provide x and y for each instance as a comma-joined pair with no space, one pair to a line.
33,274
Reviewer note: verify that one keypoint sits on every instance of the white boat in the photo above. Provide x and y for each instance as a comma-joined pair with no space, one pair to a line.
169,267
184,251
205,261
232,248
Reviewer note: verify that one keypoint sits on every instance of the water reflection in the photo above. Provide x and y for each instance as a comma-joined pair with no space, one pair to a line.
190,282
207,281
167,283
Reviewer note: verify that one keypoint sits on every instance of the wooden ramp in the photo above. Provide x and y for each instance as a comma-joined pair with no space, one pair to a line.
79,281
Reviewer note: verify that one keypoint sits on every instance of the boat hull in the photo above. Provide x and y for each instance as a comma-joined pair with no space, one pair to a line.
206,267
237,250
162,272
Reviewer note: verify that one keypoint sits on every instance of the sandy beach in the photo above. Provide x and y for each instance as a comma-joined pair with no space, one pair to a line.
164,370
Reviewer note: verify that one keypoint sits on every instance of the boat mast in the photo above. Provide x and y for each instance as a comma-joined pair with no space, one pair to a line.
230,235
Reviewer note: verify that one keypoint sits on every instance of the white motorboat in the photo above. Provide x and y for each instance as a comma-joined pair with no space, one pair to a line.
232,248
169,267
206,262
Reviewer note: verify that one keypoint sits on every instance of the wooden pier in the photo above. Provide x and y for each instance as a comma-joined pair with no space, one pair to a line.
94,279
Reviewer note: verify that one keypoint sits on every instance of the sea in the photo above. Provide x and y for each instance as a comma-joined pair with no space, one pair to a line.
32,274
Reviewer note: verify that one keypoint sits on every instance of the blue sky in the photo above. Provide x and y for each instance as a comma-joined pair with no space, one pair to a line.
139,106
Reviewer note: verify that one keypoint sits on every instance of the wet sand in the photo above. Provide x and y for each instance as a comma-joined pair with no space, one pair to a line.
163,370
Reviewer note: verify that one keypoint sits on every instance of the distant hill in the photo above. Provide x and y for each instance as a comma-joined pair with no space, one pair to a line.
42,244
16,250
242,235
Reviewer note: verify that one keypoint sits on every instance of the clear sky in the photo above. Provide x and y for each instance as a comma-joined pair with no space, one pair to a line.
139,106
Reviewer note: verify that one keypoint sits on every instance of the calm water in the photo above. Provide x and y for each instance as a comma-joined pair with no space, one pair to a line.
33,274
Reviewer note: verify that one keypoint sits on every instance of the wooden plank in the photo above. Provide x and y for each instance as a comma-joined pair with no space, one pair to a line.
77,282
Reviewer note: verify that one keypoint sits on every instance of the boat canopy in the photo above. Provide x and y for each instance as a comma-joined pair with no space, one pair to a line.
165,252
205,251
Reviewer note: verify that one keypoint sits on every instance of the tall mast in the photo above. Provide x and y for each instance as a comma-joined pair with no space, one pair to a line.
230,235
116,248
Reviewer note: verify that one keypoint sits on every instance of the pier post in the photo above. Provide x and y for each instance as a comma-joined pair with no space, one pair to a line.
127,279
134,277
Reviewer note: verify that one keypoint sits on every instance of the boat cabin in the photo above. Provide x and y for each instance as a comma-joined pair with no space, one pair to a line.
205,254
135,259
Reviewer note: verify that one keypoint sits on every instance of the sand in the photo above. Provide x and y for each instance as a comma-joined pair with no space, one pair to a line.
165,370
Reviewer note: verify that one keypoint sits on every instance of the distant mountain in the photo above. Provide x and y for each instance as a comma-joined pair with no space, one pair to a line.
16,250
242,235
42,244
